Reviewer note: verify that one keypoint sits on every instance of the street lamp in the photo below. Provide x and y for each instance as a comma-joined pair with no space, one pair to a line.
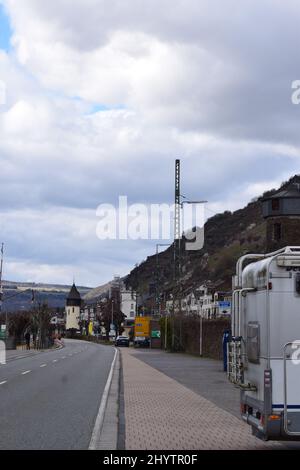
177,269
157,277
112,315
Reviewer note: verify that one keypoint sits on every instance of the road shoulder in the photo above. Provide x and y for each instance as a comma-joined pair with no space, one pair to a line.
106,436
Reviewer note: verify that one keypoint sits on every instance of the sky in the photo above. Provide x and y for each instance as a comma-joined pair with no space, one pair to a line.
5,30
101,96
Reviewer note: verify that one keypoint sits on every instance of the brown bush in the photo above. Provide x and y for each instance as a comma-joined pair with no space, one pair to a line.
187,335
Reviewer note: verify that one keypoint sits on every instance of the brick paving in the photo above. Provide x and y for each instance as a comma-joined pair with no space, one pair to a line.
161,413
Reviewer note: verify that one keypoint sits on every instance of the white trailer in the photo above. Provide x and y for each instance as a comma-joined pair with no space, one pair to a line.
264,352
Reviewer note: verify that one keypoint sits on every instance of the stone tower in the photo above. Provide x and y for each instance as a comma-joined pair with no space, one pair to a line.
73,304
282,213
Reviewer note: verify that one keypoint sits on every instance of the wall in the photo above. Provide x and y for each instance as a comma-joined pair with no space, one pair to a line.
155,342
290,232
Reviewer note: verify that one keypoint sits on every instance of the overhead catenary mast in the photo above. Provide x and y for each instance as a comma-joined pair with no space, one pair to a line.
177,234
177,237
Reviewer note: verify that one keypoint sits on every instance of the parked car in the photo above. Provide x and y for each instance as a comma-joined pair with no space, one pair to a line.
122,341
141,342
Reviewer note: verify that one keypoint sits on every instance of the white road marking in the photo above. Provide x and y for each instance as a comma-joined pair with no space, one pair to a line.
4,382
70,355
26,372
100,417
55,360
64,357
43,365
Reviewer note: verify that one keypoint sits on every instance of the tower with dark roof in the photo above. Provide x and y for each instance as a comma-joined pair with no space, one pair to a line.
282,213
73,304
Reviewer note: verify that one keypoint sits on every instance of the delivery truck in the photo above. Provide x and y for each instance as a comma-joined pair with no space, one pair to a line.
264,350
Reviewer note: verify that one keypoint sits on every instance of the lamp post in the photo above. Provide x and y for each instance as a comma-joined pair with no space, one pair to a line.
157,277
200,330
112,315
177,269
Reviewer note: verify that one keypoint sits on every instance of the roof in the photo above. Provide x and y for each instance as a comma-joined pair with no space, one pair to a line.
291,192
74,294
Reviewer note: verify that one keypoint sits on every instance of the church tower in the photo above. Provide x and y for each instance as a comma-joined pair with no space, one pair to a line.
282,213
73,304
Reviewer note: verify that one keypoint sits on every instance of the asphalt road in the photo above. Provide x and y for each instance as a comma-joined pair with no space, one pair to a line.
51,400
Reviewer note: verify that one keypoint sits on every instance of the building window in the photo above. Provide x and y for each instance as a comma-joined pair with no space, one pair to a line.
275,204
277,232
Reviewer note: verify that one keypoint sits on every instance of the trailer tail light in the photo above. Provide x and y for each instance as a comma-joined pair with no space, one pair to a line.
273,417
243,409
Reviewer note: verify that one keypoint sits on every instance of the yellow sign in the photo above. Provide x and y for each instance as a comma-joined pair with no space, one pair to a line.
142,326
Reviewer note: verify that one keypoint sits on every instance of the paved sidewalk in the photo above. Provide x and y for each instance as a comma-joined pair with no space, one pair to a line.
161,413
203,376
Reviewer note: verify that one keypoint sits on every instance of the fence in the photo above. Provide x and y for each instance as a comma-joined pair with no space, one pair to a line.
188,331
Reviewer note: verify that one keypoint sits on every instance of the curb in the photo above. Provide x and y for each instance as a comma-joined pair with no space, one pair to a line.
105,432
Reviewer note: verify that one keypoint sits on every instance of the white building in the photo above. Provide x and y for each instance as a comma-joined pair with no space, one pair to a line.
205,303
128,304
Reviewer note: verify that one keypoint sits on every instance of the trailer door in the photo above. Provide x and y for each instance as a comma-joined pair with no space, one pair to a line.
291,384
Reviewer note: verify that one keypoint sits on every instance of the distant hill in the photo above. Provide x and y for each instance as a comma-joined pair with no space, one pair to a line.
18,295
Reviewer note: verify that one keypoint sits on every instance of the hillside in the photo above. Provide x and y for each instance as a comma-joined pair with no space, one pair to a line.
227,236
97,292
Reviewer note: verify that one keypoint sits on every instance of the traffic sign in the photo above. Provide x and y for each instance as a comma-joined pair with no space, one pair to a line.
155,334
224,304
